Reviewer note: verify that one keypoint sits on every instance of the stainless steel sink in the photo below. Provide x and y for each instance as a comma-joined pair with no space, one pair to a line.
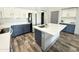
42,26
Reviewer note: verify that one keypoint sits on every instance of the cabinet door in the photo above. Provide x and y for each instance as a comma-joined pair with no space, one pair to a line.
68,28
68,12
7,13
23,14
64,13
72,12
20,29
19,13
17,30
38,37
26,28
71,28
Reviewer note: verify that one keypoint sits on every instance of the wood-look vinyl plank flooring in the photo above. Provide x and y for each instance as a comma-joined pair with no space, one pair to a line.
26,43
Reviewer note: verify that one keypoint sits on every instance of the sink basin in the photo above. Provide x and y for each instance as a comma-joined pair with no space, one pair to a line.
42,26
4,30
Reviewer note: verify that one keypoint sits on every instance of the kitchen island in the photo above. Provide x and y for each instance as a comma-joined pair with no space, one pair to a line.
47,35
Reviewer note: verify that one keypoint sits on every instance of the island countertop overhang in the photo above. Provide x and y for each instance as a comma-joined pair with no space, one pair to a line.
51,28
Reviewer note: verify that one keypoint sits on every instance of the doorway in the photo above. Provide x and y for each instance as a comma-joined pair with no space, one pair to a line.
30,20
42,17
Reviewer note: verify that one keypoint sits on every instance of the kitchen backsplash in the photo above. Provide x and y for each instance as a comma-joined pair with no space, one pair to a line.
66,20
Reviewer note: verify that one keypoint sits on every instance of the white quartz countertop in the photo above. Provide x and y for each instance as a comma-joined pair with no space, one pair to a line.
51,28
8,25
19,23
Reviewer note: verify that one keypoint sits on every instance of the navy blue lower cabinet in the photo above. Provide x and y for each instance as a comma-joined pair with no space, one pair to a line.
20,29
70,28
38,37
26,28
17,30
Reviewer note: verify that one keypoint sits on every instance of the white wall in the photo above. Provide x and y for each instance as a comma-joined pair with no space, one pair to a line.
77,23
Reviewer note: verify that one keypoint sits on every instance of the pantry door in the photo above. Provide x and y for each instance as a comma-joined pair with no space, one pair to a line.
54,17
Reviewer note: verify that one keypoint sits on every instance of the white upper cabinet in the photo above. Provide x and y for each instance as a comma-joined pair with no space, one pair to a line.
68,12
7,13
1,9
23,14
20,13
72,12
14,13
64,13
